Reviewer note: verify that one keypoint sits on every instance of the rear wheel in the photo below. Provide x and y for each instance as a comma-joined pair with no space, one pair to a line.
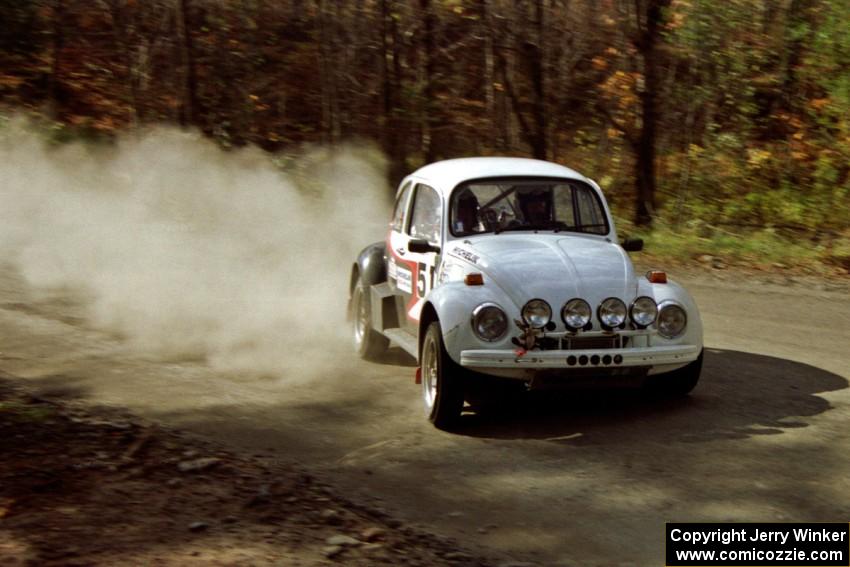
442,380
368,343
679,382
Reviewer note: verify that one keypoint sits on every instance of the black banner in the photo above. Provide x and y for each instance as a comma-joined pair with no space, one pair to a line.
758,545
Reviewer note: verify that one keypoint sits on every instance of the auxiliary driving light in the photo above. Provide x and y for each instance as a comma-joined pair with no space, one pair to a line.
612,313
576,314
536,313
643,311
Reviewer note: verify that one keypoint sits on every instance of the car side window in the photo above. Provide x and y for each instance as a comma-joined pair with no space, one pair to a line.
397,223
426,218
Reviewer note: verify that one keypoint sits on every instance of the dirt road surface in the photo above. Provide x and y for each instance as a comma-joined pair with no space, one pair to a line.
586,479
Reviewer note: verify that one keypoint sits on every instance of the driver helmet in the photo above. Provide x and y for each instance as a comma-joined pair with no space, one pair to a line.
530,195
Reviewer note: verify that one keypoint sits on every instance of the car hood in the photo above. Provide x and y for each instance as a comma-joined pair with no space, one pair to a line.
553,267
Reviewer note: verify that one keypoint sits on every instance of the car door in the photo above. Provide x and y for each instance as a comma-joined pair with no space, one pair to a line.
412,273
399,268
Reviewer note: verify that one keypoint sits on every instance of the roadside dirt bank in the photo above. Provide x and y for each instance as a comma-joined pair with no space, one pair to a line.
82,485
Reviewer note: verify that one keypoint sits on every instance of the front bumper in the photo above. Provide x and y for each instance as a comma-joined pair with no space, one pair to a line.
570,359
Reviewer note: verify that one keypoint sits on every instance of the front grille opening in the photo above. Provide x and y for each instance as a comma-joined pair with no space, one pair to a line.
582,343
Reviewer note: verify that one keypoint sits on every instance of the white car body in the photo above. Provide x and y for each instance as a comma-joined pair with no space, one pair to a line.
516,266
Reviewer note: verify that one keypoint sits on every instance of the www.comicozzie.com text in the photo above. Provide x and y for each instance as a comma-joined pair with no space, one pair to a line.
726,536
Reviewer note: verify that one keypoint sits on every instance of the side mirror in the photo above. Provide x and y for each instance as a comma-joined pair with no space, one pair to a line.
633,244
421,246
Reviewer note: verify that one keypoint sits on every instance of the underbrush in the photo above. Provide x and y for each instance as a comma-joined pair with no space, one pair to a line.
762,249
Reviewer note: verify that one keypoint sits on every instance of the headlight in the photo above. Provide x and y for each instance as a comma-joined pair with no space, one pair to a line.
536,313
576,314
612,312
489,322
672,321
643,311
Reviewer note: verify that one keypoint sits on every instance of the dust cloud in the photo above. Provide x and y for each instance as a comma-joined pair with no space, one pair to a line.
189,251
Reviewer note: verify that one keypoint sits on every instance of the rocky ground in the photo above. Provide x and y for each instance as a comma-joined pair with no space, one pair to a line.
83,486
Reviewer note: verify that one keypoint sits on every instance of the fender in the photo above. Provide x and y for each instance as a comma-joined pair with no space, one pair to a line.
452,303
371,266
672,291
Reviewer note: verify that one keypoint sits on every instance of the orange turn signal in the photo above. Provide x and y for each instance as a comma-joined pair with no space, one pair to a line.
473,279
656,276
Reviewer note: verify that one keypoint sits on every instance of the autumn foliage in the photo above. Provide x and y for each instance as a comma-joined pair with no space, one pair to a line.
724,114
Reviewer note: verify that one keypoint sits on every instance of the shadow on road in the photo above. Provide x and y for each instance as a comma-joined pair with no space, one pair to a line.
395,356
58,386
739,395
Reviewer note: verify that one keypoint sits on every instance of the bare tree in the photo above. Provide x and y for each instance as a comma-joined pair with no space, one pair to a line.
643,26
522,50
391,73
428,62
649,27
54,97
190,106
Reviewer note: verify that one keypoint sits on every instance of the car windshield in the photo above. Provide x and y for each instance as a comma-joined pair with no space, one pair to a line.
500,205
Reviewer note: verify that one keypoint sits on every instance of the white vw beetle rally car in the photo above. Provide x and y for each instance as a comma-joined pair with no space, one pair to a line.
510,268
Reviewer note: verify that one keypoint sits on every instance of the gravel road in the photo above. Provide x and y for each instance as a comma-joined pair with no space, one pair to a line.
588,478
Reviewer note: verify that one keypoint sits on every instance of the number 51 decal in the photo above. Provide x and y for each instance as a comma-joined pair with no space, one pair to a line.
424,279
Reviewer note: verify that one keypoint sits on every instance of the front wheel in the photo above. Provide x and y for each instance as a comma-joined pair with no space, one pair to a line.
368,343
679,382
442,380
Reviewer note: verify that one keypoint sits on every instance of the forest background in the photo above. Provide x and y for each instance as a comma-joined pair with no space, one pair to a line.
715,128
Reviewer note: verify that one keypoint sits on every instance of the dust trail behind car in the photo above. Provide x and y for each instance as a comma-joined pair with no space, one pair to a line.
188,250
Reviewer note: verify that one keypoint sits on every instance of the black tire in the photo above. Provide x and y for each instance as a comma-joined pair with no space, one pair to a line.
369,343
679,382
442,381
491,396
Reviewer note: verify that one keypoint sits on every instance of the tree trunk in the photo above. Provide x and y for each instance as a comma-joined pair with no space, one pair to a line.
55,96
489,62
122,31
190,111
539,143
428,44
531,57
393,140
645,179
801,18
327,72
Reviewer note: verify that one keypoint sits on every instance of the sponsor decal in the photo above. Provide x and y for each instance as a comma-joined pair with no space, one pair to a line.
466,255
391,269
404,279
443,275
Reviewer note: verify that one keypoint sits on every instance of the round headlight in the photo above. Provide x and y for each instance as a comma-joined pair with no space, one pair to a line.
612,312
672,321
536,313
489,322
576,314
644,311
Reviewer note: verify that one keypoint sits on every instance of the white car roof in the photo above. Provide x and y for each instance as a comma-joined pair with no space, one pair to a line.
446,175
